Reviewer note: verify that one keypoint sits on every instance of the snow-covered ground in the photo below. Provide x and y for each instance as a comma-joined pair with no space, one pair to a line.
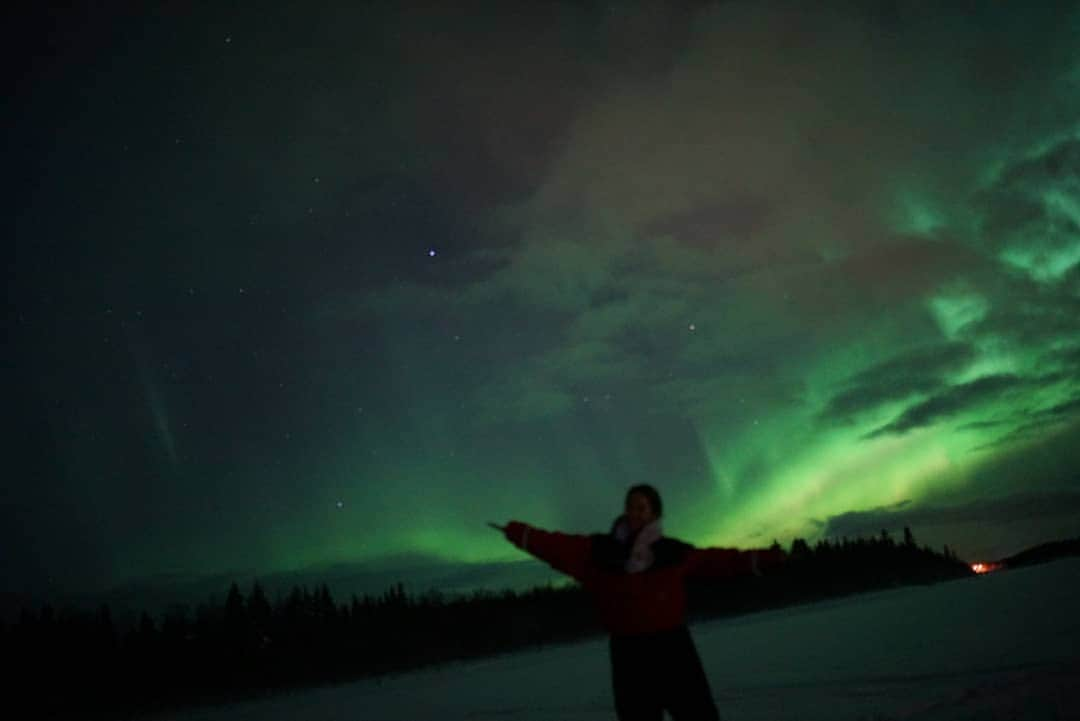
1001,646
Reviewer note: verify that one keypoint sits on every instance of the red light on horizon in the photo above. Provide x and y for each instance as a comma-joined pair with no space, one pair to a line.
981,568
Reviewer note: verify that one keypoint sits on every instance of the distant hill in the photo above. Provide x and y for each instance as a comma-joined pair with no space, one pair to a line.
1042,553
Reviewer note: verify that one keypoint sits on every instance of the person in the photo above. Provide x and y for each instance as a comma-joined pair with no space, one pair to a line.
636,579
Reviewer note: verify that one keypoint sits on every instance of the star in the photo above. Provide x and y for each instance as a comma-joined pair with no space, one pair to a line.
431,253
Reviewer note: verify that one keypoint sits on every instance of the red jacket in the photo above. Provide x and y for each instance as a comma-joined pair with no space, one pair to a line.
645,602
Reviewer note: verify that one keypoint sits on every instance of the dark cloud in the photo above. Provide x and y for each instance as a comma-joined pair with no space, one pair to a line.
1068,357
1034,424
982,425
1018,507
897,268
1048,170
917,371
949,402
723,220
933,361
1028,215
489,135
1028,316
1064,409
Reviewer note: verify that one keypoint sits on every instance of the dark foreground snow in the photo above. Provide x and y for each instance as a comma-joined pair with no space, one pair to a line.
1002,646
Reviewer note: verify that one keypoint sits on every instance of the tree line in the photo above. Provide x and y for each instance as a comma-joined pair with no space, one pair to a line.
81,663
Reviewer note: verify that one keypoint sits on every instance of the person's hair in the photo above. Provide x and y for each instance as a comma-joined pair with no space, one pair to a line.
651,494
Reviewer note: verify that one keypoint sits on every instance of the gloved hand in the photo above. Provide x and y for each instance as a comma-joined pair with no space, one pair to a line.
516,532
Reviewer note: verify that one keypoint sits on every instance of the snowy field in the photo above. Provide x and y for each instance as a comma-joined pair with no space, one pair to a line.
1001,646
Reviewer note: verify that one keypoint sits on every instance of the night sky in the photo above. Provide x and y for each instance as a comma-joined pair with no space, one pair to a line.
303,284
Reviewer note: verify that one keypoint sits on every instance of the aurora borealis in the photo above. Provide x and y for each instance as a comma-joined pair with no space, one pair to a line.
296,287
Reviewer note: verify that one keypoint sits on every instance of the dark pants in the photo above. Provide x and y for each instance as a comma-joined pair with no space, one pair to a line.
656,672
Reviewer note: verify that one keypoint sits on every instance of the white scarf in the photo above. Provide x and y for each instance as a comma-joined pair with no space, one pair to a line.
641,555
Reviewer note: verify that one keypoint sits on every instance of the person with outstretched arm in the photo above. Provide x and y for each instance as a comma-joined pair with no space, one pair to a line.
637,577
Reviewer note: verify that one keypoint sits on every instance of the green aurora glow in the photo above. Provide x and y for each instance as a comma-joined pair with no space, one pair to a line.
809,272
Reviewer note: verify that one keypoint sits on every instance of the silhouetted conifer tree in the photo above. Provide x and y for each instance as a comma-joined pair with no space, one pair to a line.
258,609
234,606
799,548
106,629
